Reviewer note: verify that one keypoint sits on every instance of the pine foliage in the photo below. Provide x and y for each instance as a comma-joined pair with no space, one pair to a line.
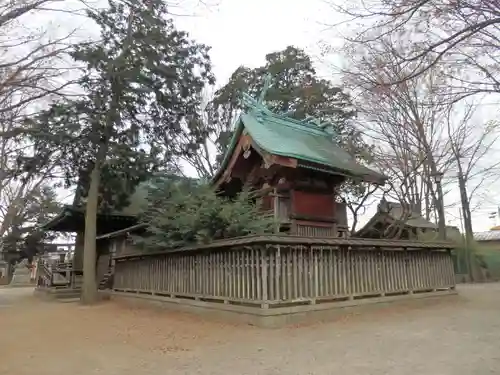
185,212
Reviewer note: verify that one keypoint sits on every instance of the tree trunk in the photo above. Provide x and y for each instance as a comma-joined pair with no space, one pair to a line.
441,214
89,292
469,234
78,254
431,162
89,288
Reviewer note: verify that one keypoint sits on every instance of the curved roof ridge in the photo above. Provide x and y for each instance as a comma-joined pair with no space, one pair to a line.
301,125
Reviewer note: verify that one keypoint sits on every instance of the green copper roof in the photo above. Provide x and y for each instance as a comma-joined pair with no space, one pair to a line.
302,140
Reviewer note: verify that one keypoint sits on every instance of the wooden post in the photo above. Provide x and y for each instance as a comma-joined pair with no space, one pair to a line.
409,282
264,263
276,210
315,255
277,273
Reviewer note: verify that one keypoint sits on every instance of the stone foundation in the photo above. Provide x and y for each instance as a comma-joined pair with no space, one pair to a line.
270,317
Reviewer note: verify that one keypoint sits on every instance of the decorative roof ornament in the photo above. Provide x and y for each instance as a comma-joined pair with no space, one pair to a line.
316,121
267,85
258,105
327,126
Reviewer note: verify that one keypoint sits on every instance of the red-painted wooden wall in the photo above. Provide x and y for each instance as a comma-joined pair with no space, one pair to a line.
313,204
267,203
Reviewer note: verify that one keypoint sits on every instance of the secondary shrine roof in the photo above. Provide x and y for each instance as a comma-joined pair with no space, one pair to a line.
307,141
491,235
389,212
72,219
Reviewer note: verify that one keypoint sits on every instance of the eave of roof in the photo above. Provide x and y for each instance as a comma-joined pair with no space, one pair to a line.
492,235
118,233
230,149
77,215
126,214
56,219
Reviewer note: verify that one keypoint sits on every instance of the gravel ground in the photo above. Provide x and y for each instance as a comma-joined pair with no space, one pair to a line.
455,335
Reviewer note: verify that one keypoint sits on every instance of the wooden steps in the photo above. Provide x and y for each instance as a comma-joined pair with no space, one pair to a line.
106,281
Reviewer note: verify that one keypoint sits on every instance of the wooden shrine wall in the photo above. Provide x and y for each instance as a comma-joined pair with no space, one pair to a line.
313,204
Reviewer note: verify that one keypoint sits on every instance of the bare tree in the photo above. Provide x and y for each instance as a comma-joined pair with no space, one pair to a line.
464,35
31,62
419,134
403,122
471,144
357,197
199,142
27,194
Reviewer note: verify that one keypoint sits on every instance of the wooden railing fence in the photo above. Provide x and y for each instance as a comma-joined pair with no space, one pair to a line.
315,231
277,272
55,275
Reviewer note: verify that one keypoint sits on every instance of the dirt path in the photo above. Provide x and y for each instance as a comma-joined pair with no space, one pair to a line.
456,336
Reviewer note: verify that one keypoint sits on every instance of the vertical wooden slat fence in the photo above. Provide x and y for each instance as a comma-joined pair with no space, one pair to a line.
315,231
277,274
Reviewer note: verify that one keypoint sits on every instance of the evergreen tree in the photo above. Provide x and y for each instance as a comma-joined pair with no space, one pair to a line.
27,213
296,89
142,81
186,212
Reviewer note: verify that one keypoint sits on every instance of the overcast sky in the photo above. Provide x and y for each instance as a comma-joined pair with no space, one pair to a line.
242,32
